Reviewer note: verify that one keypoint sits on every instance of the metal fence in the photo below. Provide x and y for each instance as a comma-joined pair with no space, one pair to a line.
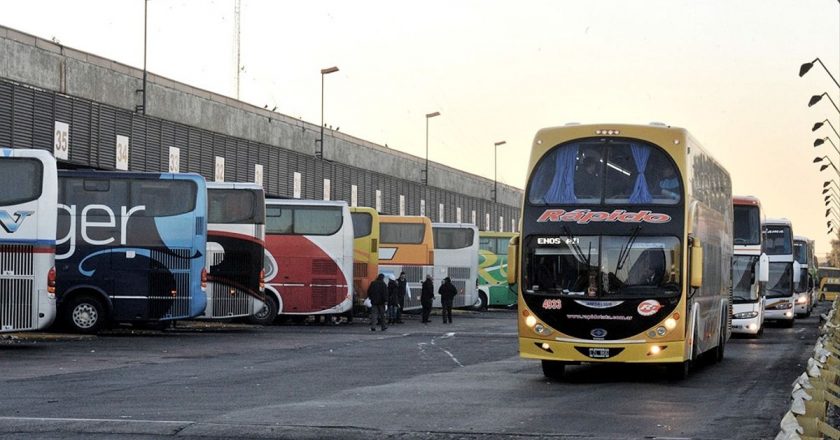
28,118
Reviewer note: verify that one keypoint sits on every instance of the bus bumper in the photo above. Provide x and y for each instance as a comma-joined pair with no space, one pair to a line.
747,326
779,315
586,351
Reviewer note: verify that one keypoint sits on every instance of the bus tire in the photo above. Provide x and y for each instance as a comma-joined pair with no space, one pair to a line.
678,370
482,297
553,369
84,314
721,347
267,314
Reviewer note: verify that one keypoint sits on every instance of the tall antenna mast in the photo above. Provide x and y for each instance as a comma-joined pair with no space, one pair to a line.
236,10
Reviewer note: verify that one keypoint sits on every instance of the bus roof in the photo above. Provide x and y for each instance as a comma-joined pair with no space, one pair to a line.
777,221
801,238
746,201
404,219
365,209
97,174
233,185
300,202
455,225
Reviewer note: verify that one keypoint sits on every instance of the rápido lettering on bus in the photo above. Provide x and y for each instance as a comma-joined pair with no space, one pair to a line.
585,216
86,225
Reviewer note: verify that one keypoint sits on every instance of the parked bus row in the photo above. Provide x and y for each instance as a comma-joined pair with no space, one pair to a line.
90,248
633,250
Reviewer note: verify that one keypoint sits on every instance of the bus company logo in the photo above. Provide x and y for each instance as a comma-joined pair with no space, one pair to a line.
599,304
598,333
585,216
10,224
552,304
552,240
648,307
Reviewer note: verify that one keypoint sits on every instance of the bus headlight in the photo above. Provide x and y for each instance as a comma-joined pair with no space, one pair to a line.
802,300
542,330
670,323
745,315
530,321
660,331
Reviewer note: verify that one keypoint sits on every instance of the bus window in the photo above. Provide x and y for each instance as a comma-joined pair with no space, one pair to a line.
278,220
502,246
780,283
27,175
163,198
487,244
452,238
747,225
228,206
634,172
315,220
402,233
778,240
362,224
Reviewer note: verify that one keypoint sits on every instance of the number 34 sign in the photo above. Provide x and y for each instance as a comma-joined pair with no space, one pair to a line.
122,152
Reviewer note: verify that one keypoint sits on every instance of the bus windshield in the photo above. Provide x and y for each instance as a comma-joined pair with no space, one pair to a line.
743,278
747,225
778,240
800,252
606,267
402,233
611,171
27,175
780,283
453,238
362,224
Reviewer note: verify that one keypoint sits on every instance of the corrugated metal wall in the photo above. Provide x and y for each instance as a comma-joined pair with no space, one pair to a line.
28,116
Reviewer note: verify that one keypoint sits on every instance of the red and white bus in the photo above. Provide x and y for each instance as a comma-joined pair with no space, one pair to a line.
309,257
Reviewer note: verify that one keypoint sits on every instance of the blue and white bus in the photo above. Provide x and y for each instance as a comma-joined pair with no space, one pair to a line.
27,239
130,248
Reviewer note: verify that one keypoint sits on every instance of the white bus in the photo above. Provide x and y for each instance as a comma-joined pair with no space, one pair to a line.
804,288
749,267
456,257
778,245
28,200
235,252
309,257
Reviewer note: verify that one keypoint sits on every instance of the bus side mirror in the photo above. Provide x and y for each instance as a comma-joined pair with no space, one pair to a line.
512,261
696,263
763,269
797,272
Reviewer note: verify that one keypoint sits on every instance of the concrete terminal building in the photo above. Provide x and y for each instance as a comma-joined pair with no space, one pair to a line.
85,109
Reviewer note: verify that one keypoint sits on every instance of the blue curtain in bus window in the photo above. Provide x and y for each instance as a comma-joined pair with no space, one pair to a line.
640,194
562,189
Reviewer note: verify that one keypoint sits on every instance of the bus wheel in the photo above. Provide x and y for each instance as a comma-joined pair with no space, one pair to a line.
553,369
719,350
85,314
483,298
679,370
265,315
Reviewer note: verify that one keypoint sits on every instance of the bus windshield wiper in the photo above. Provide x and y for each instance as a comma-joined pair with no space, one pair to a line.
576,247
624,253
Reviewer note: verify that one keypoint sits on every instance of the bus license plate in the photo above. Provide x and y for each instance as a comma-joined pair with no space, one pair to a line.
599,353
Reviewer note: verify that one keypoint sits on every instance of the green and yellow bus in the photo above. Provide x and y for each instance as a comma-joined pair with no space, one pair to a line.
625,249
493,287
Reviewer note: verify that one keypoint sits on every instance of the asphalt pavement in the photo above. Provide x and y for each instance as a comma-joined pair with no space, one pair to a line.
459,381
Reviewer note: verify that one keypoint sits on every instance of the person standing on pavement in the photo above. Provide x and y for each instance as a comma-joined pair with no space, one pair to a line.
427,295
403,290
393,299
378,294
447,293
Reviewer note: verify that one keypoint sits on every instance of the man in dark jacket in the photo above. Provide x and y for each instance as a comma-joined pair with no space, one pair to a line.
378,295
393,300
427,295
447,293
403,285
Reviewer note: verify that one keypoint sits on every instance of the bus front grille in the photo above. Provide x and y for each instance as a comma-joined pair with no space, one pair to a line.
459,272
15,303
413,274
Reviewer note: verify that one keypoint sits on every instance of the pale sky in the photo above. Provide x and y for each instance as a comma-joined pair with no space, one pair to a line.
727,70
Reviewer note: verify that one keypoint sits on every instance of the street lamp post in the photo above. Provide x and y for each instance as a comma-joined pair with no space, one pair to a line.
803,69
818,125
824,166
818,142
319,153
426,171
495,168
816,98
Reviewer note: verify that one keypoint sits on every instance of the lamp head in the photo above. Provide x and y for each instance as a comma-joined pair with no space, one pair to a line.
822,168
825,191
814,99
818,142
818,159
827,182
827,211
432,115
329,70
817,126
803,69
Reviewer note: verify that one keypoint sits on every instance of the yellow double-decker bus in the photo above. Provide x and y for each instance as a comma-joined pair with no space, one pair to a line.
407,245
365,252
625,249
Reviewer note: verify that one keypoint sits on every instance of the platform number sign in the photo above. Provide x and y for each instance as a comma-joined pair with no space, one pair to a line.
378,201
219,174
402,204
258,174
354,195
501,223
296,185
440,212
122,152
174,160
473,218
513,225
487,221
422,207
326,189
61,141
